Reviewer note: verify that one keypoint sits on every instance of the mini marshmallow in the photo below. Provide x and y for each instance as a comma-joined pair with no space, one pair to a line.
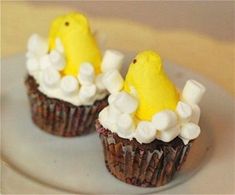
32,65
196,114
103,117
190,131
37,45
99,83
164,120
112,97
69,84
184,111
45,62
57,60
145,132
114,114
86,73
124,122
30,54
112,60
186,141
51,77
125,126
113,81
125,103
193,92
169,134
109,117
59,45
87,92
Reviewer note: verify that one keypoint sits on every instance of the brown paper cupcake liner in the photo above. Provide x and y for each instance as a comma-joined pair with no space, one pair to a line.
59,117
147,165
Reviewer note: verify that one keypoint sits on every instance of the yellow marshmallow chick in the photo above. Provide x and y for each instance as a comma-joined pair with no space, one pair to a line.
78,41
154,90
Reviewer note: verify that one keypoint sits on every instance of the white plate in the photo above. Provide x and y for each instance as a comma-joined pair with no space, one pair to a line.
76,164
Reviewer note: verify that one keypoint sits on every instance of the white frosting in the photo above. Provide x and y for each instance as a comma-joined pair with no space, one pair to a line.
186,141
119,117
84,89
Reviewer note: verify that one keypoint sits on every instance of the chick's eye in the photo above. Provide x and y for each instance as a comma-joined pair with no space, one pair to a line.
66,23
134,61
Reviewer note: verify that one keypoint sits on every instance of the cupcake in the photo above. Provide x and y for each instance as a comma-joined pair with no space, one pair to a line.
148,127
65,77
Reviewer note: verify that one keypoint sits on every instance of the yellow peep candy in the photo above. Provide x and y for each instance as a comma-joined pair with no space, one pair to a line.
79,43
154,90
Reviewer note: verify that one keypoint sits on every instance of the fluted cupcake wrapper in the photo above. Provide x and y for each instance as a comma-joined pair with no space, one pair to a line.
141,166
59,117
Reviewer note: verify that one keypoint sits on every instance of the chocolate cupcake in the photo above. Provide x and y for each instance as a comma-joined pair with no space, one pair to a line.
147,165
65,77
148,128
